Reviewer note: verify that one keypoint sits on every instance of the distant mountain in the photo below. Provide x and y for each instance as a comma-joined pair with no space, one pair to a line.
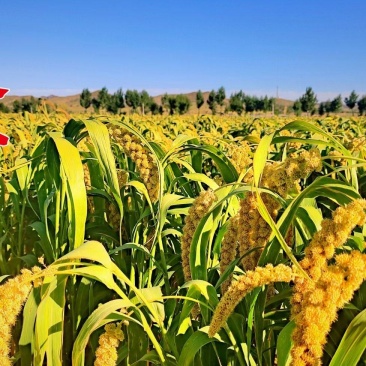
49,97
71,103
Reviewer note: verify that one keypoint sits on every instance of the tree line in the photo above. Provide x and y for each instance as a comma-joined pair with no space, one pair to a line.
23,105
137,101
173,104
238,102
308,103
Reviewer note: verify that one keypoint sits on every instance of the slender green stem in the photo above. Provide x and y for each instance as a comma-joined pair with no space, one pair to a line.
237,349
162,256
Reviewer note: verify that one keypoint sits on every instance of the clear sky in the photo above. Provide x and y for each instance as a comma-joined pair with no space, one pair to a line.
60,47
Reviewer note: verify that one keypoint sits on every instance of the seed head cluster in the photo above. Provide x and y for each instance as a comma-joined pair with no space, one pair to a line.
356,143
315,302
122,177
280,178
196,212
253,229
228,249
284,177
331,282
239,156
87,179
13,294
106,353
245,284
113,215
141,156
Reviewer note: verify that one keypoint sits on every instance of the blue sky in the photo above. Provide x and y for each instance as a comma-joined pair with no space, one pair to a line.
60,47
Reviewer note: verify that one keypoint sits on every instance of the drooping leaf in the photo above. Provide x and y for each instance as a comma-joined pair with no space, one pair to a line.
353,343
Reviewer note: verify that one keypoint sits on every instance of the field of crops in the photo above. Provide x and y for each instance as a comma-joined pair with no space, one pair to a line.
182,240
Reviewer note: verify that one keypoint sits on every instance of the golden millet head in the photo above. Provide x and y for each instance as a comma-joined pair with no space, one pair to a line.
253,229
200,207
335,232
106,353
315,302
284,177
239,155
141,156
13,294
245,284
229,249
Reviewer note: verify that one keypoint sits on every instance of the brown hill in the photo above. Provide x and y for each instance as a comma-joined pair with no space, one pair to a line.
71,103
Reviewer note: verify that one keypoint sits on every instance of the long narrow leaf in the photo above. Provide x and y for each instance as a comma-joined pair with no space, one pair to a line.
353,343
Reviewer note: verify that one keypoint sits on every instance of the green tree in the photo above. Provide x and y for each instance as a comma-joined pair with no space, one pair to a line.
4,108
96,105
308,101
199,100
336,104
362,105
145,101
267,104
116,102
170,102
297,107
111,106
321,109
183,104
25,105
220,96
133,99
85,99
154,108
212,102
351,101
17,106
325,108
103,98
250,103
120,99
328,107
236,102
164,101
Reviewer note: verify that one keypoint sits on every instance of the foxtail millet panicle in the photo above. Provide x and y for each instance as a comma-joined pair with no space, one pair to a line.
106,353
320,303
239,155
229,250
199,208
280,178
113,215
254,230
315,301
246,283
13,294
141,156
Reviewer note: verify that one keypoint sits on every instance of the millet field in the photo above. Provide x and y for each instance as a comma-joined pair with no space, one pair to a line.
182,240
